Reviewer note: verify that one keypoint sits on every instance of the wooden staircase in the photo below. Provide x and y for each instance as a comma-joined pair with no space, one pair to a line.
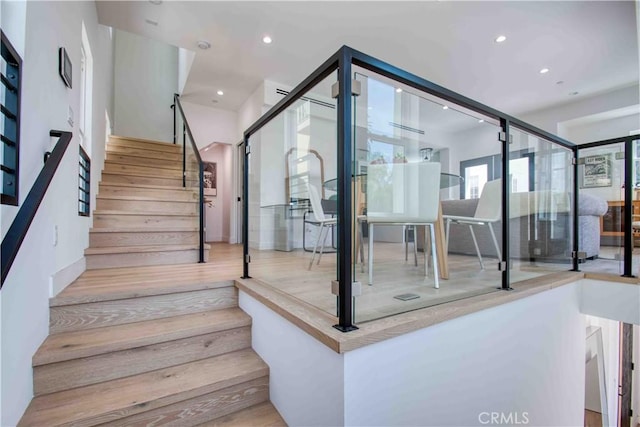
143,215
137,339
156,345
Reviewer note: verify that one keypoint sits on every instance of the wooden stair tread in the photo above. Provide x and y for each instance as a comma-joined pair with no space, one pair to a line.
131,282
261,415
145,162
157,187
84,343
146,141
115,399
144,198
113,212
140,248
176,176
142,229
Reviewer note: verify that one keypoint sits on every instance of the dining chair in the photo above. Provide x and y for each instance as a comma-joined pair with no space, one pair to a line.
487,213
324,221
403,194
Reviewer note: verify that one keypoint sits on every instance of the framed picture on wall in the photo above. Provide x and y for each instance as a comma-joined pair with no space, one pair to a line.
210,179
596,171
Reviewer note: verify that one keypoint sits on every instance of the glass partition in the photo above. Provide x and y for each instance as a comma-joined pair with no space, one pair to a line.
424,169
602,208
293,199
540,206
195,178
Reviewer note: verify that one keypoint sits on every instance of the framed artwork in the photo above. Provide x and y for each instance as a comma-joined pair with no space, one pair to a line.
64,67
210,178
596,171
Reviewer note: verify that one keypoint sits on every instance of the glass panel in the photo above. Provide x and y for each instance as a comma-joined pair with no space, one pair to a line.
601,208
410,150
540,206
293,199
192,176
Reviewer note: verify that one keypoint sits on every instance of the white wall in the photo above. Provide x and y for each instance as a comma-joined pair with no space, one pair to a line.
185,61
508,359
306,384
210,124
602,129
615,301
549,118
145,79
45,102
635,393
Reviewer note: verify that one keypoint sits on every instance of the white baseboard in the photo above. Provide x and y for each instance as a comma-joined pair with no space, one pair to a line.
66,276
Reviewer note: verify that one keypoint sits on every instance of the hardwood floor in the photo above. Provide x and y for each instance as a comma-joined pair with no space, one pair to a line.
393,276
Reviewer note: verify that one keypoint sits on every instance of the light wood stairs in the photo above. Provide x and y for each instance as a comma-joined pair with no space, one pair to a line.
143,214
155,345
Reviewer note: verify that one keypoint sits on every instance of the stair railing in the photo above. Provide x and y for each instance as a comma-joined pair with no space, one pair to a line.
20,225
190,164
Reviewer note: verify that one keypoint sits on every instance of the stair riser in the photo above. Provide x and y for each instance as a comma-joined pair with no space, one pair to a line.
140,152
201,409
141,145
147,206
142,170
136,259
116,220
177,195
95,315
90,370
102,240
144,161
140,180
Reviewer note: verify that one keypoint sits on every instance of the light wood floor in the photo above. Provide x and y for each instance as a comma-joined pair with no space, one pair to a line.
287,271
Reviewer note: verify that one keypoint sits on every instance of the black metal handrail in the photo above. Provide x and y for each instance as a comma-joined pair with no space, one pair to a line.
186,130
18,229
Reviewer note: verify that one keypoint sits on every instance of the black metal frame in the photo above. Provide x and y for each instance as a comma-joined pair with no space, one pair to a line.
628,194
186,130
343,60
20,225
10,55
84,183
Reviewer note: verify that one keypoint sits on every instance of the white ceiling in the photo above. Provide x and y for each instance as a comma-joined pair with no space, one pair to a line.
590,46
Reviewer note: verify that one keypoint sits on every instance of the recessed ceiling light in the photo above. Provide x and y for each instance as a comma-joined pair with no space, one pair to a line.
220,92
544,71
203,44
481,121
573,93
266,40
500,39
215,101
444,107
156,2
150,22
398,90
559,82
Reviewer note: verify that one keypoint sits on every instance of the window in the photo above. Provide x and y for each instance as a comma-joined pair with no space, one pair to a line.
84,183
10,68
477,172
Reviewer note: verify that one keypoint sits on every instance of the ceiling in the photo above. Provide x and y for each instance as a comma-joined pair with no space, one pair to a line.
589,46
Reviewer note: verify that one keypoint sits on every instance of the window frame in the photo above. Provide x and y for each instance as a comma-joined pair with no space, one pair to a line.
7,49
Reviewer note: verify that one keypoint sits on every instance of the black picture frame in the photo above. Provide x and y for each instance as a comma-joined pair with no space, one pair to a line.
65,67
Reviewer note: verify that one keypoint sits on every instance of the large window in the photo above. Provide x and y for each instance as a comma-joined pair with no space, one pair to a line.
10,64
477,172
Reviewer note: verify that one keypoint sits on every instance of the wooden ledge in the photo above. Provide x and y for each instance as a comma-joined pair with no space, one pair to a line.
319,324
612,278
